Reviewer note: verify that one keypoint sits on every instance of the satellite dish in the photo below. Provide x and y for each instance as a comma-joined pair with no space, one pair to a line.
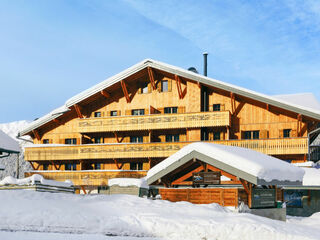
192,69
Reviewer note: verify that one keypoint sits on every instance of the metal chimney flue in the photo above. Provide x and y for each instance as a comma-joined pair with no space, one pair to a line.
205,63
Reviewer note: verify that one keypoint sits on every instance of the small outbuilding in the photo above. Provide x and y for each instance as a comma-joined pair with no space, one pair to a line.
8,146
212,173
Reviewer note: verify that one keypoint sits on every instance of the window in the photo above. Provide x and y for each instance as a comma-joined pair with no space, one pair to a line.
137,112
286,133
251,135
216,136
45,141
45,166
97,140
136,166
216,107
172,138
164,86
113,113
136,139
144,88
97,114
70,166
97,166
70,141
170,109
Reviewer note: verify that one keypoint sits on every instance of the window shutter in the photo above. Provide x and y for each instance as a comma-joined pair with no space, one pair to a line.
181,109
169,85
210,136
149,88
146,111
118,113
293,133
50,141
139,89
108,113
102,113
281,133
159,86
222,135
183,137
264,134
222,107
128,112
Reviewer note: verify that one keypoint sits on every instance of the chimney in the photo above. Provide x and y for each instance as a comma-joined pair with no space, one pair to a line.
205,64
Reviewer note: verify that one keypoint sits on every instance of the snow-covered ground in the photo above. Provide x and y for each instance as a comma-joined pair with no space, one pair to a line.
56,216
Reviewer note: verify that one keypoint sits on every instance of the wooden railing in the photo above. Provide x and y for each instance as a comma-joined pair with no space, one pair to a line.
91,178
155,121
153,150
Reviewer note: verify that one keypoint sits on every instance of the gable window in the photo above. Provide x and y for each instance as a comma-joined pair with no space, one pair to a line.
45,141
70,166
113,113
136,166
216,107
251,135
97,114
136,139
137,112
172,138
164,86
70,141
170,109
286,133
144,88
216,136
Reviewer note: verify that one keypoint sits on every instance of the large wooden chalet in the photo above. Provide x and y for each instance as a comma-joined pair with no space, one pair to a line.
137,118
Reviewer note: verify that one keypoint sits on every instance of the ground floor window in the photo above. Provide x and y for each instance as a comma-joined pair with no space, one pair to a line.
136,166
97,166
70,141
70,166
172,138
136,139
251,135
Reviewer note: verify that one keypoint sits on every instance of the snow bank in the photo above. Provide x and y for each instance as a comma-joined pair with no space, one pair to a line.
31,181
130,216
304,164
126,182
255,163
311,177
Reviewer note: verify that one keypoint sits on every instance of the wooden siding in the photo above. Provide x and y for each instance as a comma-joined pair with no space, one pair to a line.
281,146
88,178
222,196
155,121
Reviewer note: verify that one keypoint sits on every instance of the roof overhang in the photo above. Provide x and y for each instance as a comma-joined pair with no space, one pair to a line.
220,165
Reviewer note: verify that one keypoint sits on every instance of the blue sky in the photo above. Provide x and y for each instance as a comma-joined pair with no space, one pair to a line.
52,50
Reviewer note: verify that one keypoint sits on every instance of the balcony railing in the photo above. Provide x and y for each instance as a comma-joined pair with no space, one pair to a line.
155,121
156,150
91,177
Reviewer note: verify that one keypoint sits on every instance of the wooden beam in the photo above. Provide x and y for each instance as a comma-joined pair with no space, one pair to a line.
36,134
212,168
105,94
56,121
238,108
186,176
32,165
78,110
178,81
299,124
125,91
82,187
117,164
245,186
151,78
267,106
116,136
233,102
52,162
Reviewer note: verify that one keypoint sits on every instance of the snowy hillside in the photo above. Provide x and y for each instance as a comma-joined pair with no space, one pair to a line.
12,130
130,216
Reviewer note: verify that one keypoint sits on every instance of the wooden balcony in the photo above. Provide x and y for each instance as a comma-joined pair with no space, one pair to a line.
155,121
156,150
88,178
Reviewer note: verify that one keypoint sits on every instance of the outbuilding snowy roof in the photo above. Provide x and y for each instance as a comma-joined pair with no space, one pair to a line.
252,166
307,111
7,144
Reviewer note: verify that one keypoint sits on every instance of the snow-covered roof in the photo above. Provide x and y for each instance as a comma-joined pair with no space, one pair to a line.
311,177
301,99
31,181
252,166
7,144
307,111
2,167
127,182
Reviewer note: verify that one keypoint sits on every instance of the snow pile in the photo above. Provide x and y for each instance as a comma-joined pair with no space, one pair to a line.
130,216
255,163
127,182
311,177
32,180
304,164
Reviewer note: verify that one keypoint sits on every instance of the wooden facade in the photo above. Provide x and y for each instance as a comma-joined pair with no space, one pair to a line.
147,116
